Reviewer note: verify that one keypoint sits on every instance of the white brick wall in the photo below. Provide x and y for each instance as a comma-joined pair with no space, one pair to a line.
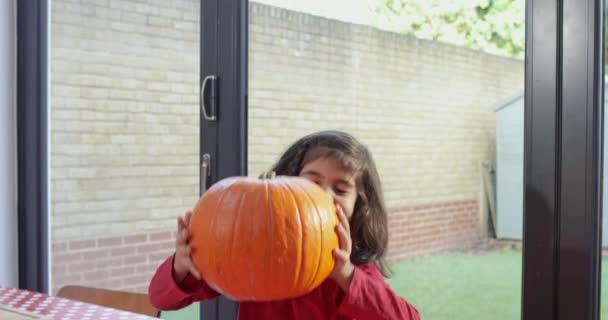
125,107
124,115
423,108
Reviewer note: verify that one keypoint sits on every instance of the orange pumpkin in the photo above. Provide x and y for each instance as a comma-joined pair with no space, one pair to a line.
264,239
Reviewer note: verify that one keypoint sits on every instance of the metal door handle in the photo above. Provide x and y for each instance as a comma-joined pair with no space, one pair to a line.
205,172
212,115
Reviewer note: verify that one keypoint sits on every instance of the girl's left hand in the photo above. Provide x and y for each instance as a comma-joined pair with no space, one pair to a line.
343,270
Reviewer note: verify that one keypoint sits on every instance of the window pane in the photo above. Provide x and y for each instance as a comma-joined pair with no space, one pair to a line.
124,137
436,93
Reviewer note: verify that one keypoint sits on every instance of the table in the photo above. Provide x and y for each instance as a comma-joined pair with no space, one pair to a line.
49,307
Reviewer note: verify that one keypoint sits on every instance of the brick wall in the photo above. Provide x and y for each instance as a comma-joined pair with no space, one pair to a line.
124,130
438,227
121,262
124,119
423,108
124,116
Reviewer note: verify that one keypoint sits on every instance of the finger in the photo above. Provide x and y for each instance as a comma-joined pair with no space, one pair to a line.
341,256
345,241
187,218
180,228
182,237
192,269
338,206
184,251
184,234
180,224
195,273
343,219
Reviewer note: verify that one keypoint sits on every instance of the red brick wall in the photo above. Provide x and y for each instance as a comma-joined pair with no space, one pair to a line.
128,262
419,230
125,263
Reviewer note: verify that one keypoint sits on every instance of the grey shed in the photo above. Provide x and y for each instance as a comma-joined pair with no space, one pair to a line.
510,170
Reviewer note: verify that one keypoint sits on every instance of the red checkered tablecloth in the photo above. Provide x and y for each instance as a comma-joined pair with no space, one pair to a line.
59,308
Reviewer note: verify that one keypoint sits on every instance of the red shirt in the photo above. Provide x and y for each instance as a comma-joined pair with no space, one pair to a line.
369,297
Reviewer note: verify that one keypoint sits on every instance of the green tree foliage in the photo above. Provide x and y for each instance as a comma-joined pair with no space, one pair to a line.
494,26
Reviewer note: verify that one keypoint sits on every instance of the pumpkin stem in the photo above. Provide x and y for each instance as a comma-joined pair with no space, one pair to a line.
269,175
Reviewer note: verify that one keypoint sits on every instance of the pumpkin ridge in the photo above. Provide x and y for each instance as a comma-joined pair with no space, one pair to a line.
214,220
235,232
268,254
260,196
301,257
320,255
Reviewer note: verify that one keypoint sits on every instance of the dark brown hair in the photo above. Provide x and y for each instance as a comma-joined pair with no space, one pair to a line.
368,224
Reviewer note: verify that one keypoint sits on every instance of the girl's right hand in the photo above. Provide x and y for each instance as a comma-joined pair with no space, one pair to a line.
182,263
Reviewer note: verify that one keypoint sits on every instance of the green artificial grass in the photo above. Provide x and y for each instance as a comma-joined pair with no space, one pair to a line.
471,286
468,286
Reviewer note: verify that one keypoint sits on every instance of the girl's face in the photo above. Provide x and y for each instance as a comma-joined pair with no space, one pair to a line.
331,177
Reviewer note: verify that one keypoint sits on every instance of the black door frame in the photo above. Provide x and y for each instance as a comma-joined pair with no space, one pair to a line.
32,160
563,157
563,149
224,55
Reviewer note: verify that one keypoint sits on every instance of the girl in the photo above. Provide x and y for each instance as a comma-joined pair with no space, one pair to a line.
355,289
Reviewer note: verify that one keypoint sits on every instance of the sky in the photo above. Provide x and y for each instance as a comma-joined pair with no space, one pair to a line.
353,11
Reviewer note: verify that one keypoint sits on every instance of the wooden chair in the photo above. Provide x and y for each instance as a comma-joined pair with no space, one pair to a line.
126,301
